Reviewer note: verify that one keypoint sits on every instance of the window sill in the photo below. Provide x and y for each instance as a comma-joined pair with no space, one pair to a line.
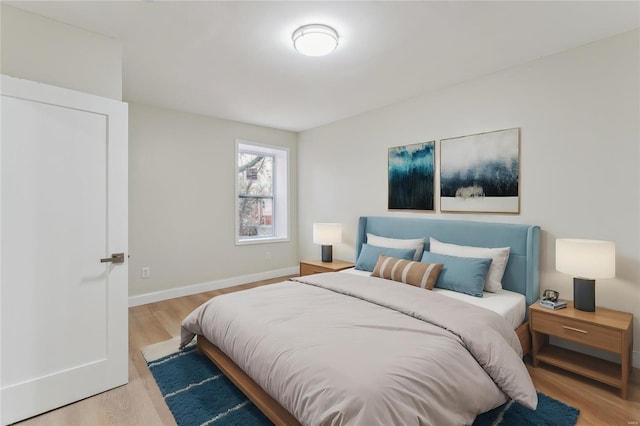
265,240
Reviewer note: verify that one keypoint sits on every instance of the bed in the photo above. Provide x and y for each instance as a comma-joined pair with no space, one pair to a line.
365,350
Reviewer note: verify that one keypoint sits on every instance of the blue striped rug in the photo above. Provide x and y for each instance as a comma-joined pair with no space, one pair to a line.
197,393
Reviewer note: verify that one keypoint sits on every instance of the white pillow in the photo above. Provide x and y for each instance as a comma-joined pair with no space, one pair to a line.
417,244
499,258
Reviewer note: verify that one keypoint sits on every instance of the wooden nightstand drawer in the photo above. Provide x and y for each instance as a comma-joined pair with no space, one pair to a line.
578,331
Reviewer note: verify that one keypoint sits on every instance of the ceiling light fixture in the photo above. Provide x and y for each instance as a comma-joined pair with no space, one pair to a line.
315,40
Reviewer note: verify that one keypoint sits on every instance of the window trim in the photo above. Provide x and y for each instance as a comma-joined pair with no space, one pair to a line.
281,208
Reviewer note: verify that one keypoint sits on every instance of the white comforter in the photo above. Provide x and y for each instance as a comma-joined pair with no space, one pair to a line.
337,349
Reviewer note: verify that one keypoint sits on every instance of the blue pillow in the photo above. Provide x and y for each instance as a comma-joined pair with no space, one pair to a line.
369,256
461,274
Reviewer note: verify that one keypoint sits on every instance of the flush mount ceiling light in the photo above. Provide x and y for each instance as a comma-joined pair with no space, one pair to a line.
315,40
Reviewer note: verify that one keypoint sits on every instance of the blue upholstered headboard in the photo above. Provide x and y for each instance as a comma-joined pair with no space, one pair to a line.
522,274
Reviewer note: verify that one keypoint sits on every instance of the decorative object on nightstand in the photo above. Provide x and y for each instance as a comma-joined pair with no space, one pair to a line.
550,299
604,329
309,267
586,260
558,304
327,234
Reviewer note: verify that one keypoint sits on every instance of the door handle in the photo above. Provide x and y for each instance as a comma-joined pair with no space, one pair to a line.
115,258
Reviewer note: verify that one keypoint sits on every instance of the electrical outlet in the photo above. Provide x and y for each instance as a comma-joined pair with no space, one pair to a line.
267,256
146,272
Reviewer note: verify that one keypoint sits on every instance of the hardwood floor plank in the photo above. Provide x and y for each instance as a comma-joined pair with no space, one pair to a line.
141,403
599,404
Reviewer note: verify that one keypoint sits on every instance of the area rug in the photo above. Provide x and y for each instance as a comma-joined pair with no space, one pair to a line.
197,393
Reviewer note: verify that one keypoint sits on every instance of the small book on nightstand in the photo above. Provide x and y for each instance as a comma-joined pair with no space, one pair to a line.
558,304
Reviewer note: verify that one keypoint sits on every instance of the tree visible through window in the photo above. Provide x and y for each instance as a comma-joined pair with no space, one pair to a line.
255,194
262,193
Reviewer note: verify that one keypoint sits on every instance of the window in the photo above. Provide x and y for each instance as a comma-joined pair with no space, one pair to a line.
262,188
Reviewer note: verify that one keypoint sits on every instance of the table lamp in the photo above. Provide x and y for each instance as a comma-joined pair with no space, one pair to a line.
586,260
327,234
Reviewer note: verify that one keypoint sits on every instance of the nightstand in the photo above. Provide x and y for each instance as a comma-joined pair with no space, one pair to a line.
604,329
308,267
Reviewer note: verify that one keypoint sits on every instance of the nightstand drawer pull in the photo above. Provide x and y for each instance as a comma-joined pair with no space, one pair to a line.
574,329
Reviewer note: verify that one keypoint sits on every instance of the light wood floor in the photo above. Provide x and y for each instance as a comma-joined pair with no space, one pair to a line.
140,402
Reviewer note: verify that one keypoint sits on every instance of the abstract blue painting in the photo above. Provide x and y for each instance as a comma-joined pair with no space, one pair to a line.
480,173
411,176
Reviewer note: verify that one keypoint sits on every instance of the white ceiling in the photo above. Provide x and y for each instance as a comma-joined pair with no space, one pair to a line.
235,60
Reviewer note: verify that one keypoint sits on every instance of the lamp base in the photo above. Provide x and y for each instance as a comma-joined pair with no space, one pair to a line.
584,294
327,254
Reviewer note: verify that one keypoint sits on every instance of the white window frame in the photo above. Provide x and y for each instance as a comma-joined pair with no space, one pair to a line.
280,191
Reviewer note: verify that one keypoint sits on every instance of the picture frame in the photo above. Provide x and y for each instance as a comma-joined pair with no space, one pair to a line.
411,177
480,173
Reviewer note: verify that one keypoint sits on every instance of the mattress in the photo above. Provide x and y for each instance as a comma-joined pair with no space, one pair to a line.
510,305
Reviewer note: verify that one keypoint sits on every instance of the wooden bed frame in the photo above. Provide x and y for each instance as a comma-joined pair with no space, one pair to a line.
521,275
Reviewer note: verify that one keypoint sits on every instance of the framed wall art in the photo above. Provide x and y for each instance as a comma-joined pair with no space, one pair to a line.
481,173
411,177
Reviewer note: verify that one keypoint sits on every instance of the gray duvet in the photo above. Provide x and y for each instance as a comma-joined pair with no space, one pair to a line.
338,349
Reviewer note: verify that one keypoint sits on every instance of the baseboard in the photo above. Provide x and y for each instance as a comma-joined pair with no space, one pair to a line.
159,296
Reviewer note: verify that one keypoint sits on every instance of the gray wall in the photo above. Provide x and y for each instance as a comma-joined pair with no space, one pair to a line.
181,200
580,157
40,49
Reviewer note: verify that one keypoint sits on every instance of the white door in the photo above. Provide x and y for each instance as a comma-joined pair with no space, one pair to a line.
63,208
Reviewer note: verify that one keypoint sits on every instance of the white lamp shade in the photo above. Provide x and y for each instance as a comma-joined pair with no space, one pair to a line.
315,40
327,233
586,258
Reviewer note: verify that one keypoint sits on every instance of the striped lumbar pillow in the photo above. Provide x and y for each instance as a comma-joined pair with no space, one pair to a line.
419,274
